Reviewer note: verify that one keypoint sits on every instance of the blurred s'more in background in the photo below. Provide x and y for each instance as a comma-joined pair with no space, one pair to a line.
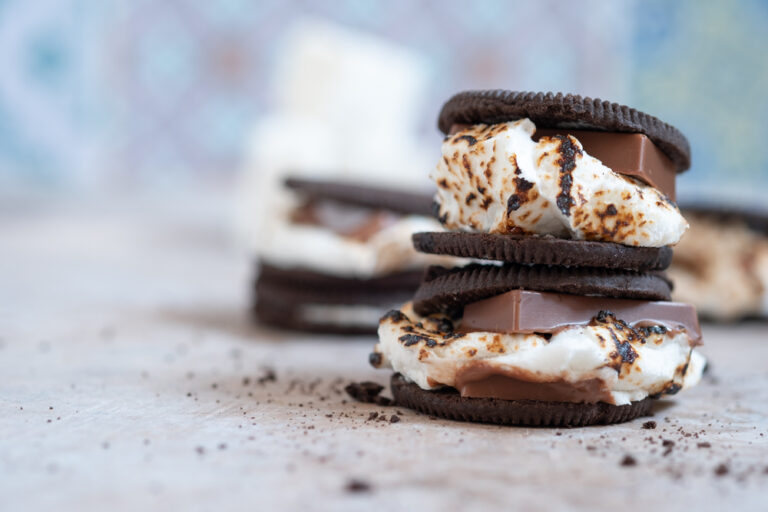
721,264
336,184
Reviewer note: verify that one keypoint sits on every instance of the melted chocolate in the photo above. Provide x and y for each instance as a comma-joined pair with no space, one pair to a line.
482,381
525,311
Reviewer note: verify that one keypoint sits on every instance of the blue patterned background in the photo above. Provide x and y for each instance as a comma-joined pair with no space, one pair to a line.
101,94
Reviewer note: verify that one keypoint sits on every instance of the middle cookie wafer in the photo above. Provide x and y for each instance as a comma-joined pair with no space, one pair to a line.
543,250
448,291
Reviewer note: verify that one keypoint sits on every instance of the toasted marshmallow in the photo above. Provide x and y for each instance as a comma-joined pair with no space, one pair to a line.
497,179
388,250
427,351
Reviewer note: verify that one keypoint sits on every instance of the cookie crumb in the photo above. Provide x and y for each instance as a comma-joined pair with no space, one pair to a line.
394,419
355,485
367,392
628,461
649,425
705,444
269,376
721,470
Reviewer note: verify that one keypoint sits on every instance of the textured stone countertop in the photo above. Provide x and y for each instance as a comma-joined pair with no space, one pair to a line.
130,379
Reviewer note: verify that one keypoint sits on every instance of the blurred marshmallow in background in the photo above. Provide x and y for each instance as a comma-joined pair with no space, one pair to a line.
346,109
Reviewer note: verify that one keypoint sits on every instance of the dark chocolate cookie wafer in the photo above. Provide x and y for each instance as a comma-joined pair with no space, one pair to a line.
303,278
275,313
448,291
548,110
544,250
448,403
284,298
755,219
410,203
290,294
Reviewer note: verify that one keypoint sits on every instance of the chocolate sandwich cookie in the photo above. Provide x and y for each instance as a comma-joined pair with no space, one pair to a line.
543,250
317,318
564,111
569,322
379,198
336,289
299,298
448,403
449,290
341,257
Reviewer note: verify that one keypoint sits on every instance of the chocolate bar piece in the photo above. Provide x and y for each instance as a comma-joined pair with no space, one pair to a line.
524,311
631,154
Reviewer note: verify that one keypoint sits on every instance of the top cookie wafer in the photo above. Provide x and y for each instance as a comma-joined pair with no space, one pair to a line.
754,218
400,201
548,110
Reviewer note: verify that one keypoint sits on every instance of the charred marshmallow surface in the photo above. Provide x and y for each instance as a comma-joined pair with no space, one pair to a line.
632,363
496,179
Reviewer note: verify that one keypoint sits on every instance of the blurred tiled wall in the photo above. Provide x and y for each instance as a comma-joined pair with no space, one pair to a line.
138,92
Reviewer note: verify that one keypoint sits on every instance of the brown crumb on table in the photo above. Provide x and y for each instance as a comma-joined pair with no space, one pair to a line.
269,376
628,460
394,418
705,444
367,393
649,425
721,470
355,485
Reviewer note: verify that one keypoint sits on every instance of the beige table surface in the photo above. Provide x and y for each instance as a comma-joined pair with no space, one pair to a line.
129,380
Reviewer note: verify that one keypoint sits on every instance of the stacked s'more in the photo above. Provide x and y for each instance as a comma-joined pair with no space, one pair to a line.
569,205
339,254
